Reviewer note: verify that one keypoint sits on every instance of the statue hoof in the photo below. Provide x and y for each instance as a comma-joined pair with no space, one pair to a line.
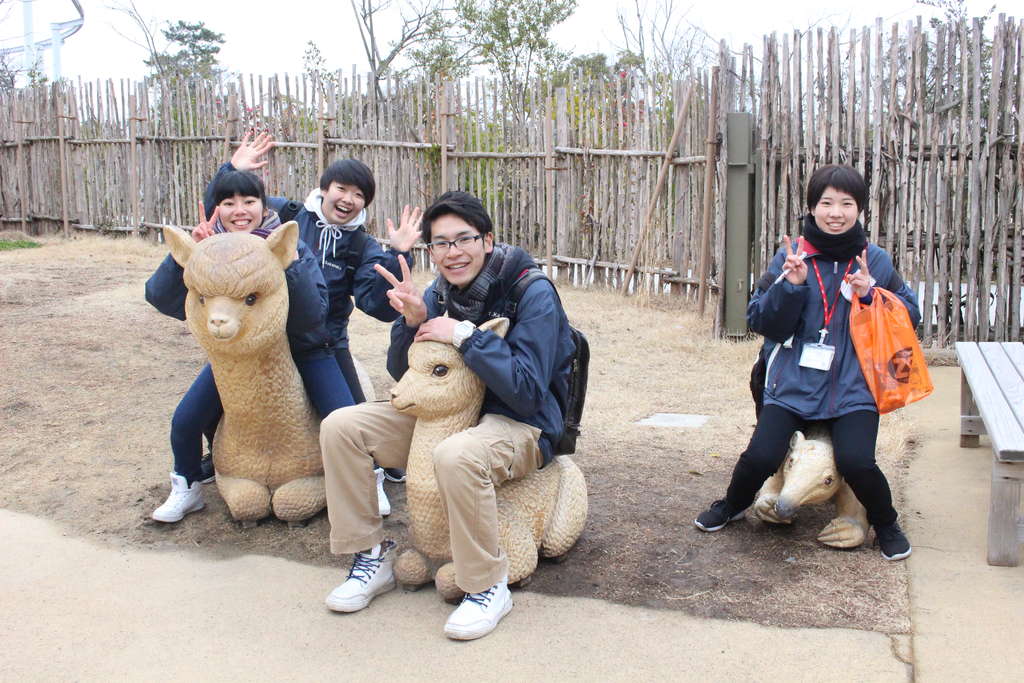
247,500
842,533
764,508
444,580
523,582
300,499
411,569
248,523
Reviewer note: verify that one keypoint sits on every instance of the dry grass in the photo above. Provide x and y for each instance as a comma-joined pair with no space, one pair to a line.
87,405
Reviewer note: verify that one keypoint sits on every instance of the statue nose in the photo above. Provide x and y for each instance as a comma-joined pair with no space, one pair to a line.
218,320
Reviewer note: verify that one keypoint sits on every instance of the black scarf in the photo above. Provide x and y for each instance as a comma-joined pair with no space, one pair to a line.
841,247
503,265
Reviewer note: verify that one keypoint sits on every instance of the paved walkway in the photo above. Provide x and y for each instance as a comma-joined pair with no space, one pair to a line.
72,609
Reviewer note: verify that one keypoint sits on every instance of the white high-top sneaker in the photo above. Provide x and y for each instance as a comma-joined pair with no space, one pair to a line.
479,613
183,500
372,573
383,504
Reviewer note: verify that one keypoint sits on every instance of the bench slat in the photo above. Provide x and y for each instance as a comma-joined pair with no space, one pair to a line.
1007,374
1000,419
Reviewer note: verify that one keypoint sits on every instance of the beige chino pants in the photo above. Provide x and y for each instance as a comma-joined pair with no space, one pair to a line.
468,466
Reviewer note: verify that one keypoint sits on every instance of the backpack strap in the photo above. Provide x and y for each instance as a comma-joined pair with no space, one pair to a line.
525,279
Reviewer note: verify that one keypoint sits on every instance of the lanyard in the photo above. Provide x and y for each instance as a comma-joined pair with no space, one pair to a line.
829,311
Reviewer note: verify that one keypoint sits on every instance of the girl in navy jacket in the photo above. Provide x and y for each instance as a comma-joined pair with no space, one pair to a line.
812,367
240,206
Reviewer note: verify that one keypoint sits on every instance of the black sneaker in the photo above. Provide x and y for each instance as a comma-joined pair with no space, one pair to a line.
395,474
207,474
717,516
892,541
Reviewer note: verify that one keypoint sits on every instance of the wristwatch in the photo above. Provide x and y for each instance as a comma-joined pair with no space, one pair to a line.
463,331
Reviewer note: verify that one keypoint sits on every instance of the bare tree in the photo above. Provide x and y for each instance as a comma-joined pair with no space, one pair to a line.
148,29
661,39
417,20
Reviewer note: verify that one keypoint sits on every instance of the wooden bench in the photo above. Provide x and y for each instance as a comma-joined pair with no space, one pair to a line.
992,402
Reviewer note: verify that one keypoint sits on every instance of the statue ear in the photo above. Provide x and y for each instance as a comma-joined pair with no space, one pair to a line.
498,326
796,439
182,245
283,242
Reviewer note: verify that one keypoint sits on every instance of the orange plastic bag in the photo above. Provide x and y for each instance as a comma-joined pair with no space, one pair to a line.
889,353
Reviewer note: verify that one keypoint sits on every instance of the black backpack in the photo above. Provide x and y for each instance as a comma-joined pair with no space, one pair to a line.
353,253
571,403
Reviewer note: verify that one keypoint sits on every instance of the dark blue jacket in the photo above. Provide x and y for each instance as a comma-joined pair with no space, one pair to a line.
521,371
786,310
307,301
364,283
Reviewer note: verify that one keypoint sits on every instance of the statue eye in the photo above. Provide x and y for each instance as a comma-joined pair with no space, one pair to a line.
828,481
202,300
439,370
250,300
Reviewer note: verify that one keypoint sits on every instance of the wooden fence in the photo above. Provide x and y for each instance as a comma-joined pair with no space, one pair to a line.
934,118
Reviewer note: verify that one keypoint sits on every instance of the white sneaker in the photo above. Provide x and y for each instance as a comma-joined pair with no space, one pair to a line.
372,573
183,500
383,504
479,613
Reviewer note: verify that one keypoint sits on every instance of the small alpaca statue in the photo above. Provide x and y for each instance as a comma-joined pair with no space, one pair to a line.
541,514
809,476
266,451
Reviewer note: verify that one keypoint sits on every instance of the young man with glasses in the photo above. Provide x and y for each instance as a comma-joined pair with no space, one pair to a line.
519,421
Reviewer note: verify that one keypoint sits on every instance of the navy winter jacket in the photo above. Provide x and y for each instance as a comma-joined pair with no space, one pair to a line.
786,310
523,371
307,301
364,283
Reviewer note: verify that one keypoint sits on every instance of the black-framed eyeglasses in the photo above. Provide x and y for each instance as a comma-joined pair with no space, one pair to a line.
439,247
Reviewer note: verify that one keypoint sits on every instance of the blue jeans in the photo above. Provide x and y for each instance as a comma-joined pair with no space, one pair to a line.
200,409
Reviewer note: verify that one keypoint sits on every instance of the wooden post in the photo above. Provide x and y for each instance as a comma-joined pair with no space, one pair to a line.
63,164
709,185
19,160
229,123
321,145
133,133
659,184
549,185
442,123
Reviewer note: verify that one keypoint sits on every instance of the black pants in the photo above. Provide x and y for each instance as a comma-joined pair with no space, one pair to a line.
348,370
853,441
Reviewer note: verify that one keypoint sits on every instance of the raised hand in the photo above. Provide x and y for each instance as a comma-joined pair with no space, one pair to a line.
861,280
252,153
205,227
795,268
408,230
404,297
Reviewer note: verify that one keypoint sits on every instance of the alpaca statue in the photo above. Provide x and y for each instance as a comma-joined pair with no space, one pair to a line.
809,476
267,450
540,515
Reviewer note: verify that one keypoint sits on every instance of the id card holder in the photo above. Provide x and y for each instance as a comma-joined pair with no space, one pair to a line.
817,356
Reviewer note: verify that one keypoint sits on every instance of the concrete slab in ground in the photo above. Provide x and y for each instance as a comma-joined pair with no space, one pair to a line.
76,610
968,617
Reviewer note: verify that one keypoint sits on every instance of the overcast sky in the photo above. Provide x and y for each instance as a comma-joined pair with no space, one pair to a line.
274,42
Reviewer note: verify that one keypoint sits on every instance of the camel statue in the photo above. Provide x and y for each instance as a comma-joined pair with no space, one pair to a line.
809,476
540,515
267,450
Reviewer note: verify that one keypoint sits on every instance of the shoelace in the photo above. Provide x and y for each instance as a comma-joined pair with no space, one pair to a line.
482,599
365,564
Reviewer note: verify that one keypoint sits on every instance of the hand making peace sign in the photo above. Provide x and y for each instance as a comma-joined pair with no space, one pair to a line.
795,268
861,280
404,297
205,227
252,154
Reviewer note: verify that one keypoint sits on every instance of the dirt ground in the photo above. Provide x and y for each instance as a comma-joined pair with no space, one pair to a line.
91,376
